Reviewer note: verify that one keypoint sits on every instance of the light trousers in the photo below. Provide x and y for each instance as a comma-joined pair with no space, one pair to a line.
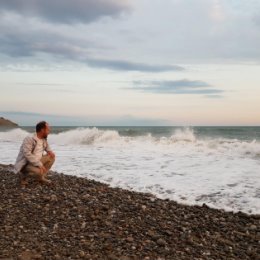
30,170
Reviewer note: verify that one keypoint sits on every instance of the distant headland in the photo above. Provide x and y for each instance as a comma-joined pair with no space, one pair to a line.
7,123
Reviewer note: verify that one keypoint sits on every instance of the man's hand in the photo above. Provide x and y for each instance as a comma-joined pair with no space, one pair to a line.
43,170
51,154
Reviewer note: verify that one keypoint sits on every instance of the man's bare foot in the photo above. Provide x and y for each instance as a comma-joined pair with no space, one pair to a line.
23,180
23,183
45,181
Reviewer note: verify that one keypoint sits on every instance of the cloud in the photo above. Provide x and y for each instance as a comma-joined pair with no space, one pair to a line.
14,46
31,119
19,40
131,66
60,47
66,11
25,38
53,87
203,32
199,31
176,87
214,96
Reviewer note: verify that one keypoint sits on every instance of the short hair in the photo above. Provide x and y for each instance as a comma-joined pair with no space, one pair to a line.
41,125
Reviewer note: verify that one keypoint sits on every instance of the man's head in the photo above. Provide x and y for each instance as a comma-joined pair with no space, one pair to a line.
42,129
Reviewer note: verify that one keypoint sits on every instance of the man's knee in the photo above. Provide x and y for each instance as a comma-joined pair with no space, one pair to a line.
31,170
47,159
52,159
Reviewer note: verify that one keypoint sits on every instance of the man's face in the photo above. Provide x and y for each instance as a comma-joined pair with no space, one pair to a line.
46,131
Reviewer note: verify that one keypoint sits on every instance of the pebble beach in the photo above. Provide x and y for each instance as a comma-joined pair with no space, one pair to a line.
78,218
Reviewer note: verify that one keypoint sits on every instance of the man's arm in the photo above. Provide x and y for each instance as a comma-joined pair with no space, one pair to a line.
49,151
51,154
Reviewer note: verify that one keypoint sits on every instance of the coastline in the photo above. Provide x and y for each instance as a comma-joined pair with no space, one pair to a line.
77,218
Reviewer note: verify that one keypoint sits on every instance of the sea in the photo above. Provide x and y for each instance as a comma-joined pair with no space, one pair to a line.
218,166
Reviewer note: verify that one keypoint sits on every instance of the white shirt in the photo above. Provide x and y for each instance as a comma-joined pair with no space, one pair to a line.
39,148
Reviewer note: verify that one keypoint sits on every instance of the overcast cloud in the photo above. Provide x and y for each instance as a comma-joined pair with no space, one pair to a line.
148,37
18,40
66,11
176,87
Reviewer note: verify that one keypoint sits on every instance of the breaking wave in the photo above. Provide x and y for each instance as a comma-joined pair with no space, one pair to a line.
182,138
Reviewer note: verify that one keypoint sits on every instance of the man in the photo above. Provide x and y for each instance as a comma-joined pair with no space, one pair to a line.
31,160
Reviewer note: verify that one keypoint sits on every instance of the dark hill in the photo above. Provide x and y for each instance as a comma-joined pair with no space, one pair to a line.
7,123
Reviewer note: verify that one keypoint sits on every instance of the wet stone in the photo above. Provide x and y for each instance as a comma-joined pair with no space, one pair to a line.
77,218
161,242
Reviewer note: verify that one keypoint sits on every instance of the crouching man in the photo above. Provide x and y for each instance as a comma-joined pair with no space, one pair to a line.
31,160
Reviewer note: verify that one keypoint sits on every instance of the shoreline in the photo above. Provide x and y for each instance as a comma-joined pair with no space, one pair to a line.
77,218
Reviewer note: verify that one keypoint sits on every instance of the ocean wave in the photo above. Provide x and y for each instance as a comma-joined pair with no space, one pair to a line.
14,135
181,138
85,136
181,135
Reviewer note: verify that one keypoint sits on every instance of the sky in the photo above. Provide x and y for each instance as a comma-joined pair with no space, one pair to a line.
130,62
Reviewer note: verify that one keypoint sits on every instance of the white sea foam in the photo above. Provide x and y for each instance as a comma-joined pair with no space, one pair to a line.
13,135
85,136
221,172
